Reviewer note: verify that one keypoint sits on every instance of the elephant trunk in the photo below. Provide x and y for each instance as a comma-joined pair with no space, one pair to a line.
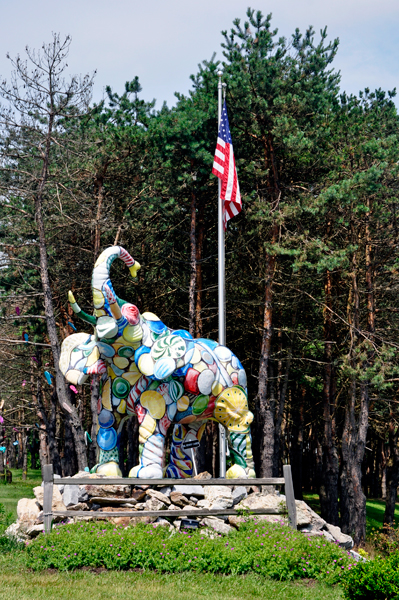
101,283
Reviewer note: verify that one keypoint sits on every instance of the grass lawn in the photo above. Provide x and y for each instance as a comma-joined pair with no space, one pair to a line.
17,583
10,493
374,510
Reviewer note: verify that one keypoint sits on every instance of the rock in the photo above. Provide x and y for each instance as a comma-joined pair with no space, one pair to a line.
57,503
120,491
138,494
83,496
190,490
328,536
159,496
236,521
70,495
166,490
27,511
193,500
135,520
39,518
173,507
34,530
203,475
16,532
178,499
358,557
306,517
238,494
212,492
116,520
79,506
106,501
161,522
217,525
155,504
203,504
259,500
221,503
345,541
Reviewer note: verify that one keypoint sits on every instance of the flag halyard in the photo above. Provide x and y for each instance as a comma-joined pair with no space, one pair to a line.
224,167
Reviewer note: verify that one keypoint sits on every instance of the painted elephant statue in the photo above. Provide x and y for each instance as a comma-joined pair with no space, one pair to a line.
163,376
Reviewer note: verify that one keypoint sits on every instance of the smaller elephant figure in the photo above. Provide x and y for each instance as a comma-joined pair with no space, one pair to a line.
163,376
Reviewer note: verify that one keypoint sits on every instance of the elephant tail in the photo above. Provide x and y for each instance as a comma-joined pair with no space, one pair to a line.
101,272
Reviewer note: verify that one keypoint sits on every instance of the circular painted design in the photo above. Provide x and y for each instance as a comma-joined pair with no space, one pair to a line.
172,409
183,333
183,403
205,381
167,346
164,367
106,418
176,390
200,404
133,333
120,387
106,438
231,409
131,313
125,352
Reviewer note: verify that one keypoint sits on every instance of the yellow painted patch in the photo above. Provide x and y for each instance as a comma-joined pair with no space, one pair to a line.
196,357
183,403
110,469
231,409
133,368
201,366
132,378
98,298
100,312
146,428
93,357
230,369
146,364
217,388
122,407
133,333
154,402
121,362
150,316
106,395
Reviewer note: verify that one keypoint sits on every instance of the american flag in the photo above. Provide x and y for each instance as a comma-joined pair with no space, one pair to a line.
224,167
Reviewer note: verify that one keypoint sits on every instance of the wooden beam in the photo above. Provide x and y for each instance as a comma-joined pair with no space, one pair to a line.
167,482
47,497
186,512
290,498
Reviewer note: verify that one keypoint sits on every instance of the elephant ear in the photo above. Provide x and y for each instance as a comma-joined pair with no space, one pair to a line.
169,353
72,358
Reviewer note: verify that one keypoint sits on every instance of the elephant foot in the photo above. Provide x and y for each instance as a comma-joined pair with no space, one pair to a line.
110,469
237,472
147,472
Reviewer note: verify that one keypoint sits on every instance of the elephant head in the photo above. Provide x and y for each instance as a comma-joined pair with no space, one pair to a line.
82,354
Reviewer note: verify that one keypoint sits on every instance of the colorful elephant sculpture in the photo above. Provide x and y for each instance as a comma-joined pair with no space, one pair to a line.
163,376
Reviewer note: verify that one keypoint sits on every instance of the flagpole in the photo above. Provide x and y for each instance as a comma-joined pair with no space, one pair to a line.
221,288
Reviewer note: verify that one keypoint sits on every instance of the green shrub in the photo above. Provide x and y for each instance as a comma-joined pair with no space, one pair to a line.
273,550
386,540
374,580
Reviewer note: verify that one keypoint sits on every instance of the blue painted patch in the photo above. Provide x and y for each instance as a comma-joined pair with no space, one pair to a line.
106,418
139,352
156,326
106,438
210,343
164,367
183,333
183,370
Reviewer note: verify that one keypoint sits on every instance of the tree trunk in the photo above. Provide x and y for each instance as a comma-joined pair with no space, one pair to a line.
94,397
330,471
265,409
199,280
133,442
392,476
296,450
193,270
25,455
70,466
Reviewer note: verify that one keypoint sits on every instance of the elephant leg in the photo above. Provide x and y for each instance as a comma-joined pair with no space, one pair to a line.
231,410
240,445
181,464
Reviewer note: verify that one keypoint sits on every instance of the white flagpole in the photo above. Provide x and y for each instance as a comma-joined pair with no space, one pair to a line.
221,289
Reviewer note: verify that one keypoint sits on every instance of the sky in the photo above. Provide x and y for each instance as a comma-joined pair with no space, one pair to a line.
162,41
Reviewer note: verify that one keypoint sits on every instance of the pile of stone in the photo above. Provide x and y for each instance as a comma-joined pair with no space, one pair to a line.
138,498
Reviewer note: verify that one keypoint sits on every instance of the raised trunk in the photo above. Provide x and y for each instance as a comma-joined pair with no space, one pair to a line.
330,470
